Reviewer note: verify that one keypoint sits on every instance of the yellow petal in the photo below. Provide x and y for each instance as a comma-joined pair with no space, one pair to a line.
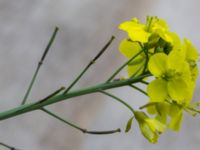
176,115
135,30
139,35
176,44
148,133
135,69
159,24
128,25
179,90
175,122
176,60
128,48
157,90
163,109
155,125
165,35
158,64
191,52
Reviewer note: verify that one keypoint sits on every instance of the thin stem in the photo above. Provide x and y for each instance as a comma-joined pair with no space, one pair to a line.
149,22
59,118
90,64
144,82
77,127
103,132
124,65
7,146
40,104
195,104
148,104
137,88
137,71
192,113
53,94
193,109
147,59
39,65
119,100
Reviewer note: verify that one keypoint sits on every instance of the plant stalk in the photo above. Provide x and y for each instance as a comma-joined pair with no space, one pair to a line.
79,128
42,103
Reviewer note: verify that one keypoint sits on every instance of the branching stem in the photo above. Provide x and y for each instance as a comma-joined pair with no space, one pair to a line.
137,88
122,67
119,100
7,146
90,64
77,127
42,103
39,65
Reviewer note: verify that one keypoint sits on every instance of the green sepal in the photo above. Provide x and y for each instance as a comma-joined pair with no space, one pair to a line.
129,124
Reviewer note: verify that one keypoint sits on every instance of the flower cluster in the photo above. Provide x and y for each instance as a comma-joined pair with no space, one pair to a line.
172,64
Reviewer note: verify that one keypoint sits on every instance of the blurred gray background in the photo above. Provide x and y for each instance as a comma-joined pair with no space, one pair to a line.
85,26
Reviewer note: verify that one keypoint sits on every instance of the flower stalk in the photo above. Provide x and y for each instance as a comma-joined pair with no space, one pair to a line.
94,89
39,65
77,127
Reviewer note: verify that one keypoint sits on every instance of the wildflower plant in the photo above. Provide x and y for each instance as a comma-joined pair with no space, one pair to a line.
157,58
173,66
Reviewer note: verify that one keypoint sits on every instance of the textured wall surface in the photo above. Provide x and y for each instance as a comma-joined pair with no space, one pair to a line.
85,26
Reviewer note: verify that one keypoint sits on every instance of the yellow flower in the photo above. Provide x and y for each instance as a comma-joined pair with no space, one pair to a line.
142,32
191,56
150,128
136,30
176,114
164,109
152,37
173,78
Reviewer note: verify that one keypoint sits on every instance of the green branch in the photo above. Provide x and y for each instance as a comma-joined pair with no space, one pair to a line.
122,67
147,59
137,88
38,105
90,64
62,88
7,146
144,82
77,127
119,100
39,65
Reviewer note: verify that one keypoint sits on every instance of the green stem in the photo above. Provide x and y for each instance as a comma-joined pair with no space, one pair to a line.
137,88
149,22
7,146
39,65
124,65
38,105
193,109
195,104
72,84
191,112
77,127
53,94
147,59
119,100
148,104
137,71
90,64
144,82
